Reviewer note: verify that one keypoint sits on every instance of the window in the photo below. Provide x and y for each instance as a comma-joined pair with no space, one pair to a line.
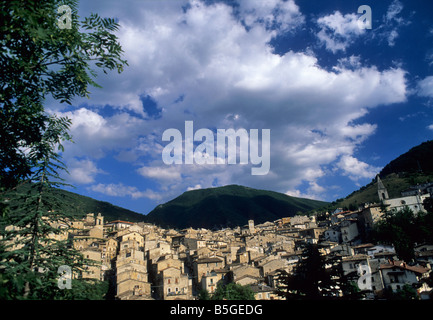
168,281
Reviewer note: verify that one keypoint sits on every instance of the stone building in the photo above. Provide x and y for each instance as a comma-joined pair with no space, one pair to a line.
204,266
131,272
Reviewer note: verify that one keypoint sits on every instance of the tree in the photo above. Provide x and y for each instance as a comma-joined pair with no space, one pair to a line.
405,293
41,58
428,204
203,295
400,229
310,279
312,273
288,286
233,291
34,244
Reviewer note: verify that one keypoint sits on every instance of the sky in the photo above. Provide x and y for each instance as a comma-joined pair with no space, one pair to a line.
340,100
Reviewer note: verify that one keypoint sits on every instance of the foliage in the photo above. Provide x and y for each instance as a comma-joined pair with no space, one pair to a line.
405,293
310,279
203,295
398,228
227,206
233,291
33,246
417,159
39,60
287,285
88,289
428,204
404,229
79,205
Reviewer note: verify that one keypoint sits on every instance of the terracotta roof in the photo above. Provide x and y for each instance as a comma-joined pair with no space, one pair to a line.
402,265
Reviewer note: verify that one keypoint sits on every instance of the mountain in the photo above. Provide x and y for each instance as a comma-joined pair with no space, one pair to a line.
411,168
80,205
418,159
227,206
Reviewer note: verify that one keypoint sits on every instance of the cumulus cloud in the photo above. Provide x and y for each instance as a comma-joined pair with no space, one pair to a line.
425,87
164,173
338,31
82,171
94,135
356,169
120,190
280,16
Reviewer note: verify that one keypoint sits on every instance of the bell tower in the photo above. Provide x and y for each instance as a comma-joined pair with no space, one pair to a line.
381,190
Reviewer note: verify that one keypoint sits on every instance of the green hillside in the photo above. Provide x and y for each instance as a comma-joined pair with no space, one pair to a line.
80,205
411,168
228,206
395,184
419,159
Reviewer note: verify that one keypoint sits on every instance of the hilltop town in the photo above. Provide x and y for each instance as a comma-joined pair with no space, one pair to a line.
147,262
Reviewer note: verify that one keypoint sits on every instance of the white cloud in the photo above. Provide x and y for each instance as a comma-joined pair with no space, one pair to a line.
314,191
120,190
391,23
82,171
95,135
393,11
337,32
279,15
430,127
425,87
196,187
164,173
356,169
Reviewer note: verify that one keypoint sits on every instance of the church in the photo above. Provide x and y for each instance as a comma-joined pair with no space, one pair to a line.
413,201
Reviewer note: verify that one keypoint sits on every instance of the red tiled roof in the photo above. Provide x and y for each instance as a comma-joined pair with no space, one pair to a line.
403,265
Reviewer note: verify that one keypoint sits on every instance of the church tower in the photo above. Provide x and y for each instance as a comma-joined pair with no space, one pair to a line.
381,190
251,226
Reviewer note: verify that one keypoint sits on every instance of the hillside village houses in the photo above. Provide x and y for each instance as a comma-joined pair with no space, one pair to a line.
144,261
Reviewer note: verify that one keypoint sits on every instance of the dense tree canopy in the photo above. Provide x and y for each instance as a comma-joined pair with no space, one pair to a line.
233,291
404,229
40,58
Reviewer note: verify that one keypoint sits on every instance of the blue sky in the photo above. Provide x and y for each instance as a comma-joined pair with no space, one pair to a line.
341,101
